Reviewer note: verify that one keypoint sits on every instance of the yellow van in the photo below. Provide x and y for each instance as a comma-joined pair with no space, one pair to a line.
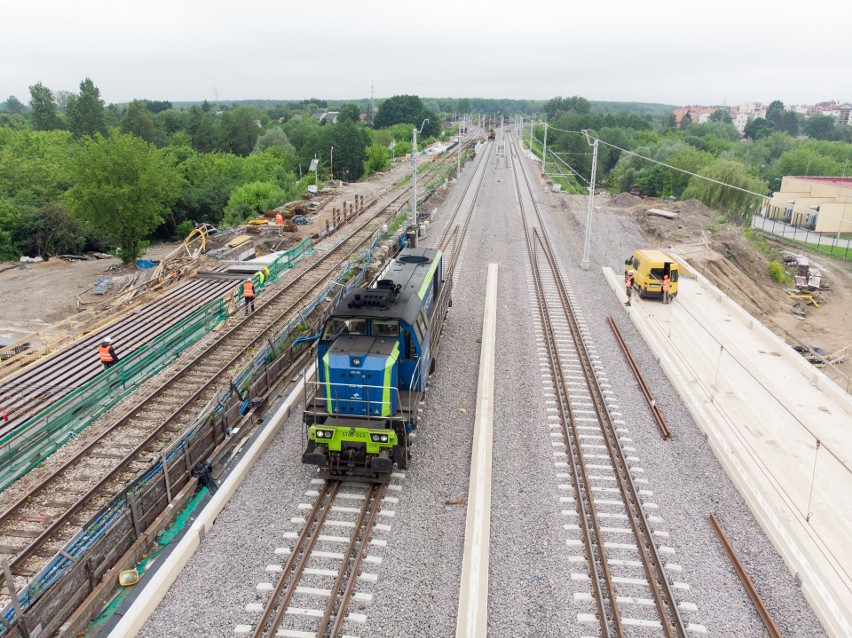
649,266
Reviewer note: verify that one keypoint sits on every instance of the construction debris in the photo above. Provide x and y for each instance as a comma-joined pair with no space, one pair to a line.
818,358
659,212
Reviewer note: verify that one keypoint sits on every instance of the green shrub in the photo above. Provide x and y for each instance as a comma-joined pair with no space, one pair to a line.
776,271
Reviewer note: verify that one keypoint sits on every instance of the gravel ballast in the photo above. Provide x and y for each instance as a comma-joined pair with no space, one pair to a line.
530,590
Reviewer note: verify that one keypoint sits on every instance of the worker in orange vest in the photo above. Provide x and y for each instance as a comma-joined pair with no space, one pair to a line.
106,353
279,219
629,287
248,294
666,285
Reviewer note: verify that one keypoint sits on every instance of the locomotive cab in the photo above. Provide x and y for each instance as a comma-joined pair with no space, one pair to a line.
373,359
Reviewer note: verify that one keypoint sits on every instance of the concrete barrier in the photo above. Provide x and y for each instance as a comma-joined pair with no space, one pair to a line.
155,589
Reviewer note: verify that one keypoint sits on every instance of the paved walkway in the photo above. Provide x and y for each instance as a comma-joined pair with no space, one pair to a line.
783,229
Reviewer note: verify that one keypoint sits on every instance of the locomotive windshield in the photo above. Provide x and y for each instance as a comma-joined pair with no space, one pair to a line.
384,328
339,325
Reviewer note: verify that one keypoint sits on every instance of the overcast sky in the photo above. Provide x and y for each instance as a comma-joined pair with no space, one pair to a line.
722,51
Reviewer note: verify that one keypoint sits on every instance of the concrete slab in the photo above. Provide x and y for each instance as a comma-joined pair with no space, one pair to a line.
781,429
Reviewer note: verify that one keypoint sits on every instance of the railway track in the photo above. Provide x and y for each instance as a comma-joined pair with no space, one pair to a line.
315,557
628,588
319,555
43,517
29,391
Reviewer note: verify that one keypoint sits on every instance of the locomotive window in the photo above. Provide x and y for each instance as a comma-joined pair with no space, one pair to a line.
385,328
338,326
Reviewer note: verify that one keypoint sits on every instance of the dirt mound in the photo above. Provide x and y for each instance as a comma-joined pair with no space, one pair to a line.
625,200
692,219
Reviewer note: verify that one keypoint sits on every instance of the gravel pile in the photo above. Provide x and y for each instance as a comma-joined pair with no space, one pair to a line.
416,594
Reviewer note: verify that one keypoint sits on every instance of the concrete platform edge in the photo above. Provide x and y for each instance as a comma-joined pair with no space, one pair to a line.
472,617
776,522
145,604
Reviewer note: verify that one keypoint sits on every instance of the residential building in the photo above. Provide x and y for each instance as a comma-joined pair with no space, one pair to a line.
698,114
821,204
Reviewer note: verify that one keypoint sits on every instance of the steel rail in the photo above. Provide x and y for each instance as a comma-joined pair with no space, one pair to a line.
605,596
279,599
361,537
214,351
658,416
771,628
671,621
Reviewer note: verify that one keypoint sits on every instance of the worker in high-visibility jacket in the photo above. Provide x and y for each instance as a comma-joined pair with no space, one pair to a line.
279,219
666,285
248,294
628,286
106,353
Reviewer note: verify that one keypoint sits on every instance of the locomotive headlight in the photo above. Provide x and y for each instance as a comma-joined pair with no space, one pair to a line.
384,438
379,438
324,434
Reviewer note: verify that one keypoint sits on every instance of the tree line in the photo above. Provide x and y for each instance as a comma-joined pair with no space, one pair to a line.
78,174
772,149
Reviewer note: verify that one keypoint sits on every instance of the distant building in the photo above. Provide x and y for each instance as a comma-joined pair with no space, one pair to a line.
746,112
328,116
821,204
698,114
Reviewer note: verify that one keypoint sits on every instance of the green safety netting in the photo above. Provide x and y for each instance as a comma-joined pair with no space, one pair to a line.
40,436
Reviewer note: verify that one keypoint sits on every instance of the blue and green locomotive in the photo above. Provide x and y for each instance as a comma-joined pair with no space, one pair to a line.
373,359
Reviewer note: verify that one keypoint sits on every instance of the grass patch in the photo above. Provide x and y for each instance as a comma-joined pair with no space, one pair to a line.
777,272
837,251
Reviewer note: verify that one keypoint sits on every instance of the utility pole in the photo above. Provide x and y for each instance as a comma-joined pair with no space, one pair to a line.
544,150
414,174
584,264
458,150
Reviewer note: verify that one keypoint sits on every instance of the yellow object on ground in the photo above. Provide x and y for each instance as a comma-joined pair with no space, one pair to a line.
239,240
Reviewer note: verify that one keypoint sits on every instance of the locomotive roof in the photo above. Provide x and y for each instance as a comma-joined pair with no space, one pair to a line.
410,270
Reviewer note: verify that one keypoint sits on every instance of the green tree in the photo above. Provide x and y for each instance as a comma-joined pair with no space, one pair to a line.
49,231
156,106
241,127
274,137
13,105
251,200
378,158
34,165
781,118
203,129
685,121
807,161
399,109
350,143
350,112
43,109
720,115
559,105
820,127
86,111
759,128
138,121
726,191
122,184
